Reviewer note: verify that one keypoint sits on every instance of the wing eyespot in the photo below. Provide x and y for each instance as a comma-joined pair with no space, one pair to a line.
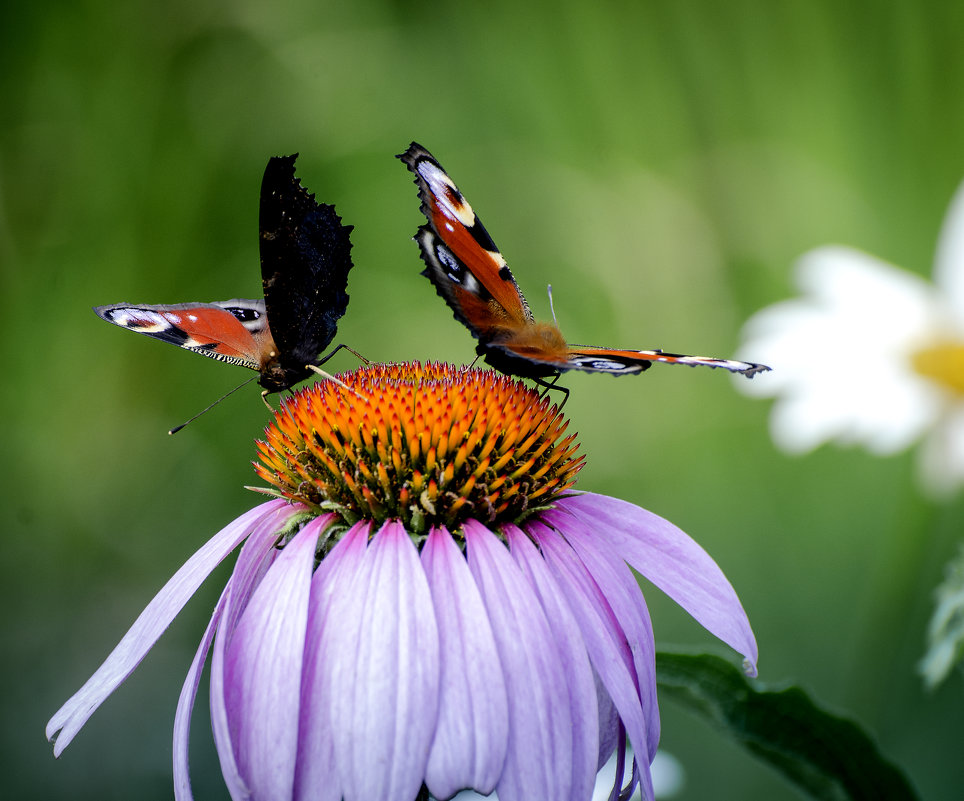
454,269
244,315
457,272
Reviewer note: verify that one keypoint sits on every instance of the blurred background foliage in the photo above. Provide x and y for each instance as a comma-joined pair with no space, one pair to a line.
661,163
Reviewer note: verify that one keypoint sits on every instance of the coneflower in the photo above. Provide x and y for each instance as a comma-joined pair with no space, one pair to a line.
428,606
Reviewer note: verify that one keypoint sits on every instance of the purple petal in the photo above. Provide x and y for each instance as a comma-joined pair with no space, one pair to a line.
253,562
540,723
315,775
608,722
185,706
262,670
382,641
606,642
625,598
153,621
473,722
672,561
579,678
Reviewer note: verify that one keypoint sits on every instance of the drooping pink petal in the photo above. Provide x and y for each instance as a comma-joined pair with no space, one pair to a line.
672,561
253,562
625,599
540,722
578,675
382,640
608,722
262,669
316,776
152,623
608,647
185,706
473,724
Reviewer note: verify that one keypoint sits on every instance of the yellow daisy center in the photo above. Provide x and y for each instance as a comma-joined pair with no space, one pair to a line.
942,362
427,445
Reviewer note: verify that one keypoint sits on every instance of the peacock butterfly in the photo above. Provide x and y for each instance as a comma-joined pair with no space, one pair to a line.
305,260
471,275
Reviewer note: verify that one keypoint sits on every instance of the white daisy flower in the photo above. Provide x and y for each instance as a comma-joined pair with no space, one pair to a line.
870,355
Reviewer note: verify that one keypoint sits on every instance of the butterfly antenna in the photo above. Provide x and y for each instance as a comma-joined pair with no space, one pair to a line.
207,409
314,368
551,308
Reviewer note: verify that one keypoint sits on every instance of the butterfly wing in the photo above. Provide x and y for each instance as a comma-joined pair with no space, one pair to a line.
461,260
233,331
625,362
305,260
469,272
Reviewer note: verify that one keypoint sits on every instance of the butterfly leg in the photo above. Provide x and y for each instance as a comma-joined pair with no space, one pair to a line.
553,385
357,355
264,397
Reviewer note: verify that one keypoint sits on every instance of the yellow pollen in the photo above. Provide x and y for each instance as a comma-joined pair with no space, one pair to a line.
943,363
426,444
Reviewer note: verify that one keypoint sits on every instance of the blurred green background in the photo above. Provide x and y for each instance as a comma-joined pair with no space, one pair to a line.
661,163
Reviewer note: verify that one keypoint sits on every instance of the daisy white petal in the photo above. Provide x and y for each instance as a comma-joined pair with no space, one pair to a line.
941,456
870,355
949,260
841,354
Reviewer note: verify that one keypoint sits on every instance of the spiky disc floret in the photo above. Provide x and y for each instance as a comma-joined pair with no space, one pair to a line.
429,445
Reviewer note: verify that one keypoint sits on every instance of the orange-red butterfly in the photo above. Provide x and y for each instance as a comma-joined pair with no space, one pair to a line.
305,259
469,272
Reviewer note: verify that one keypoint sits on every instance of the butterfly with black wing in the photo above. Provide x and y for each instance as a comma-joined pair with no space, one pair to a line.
470,274
305,260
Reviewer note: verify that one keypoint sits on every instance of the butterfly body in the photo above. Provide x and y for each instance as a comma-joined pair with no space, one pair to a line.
471,275
532,351
305,260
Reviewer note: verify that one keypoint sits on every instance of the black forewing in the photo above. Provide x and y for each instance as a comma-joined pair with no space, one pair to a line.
305,260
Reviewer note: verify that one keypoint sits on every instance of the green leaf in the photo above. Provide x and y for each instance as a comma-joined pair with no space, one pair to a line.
825,755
